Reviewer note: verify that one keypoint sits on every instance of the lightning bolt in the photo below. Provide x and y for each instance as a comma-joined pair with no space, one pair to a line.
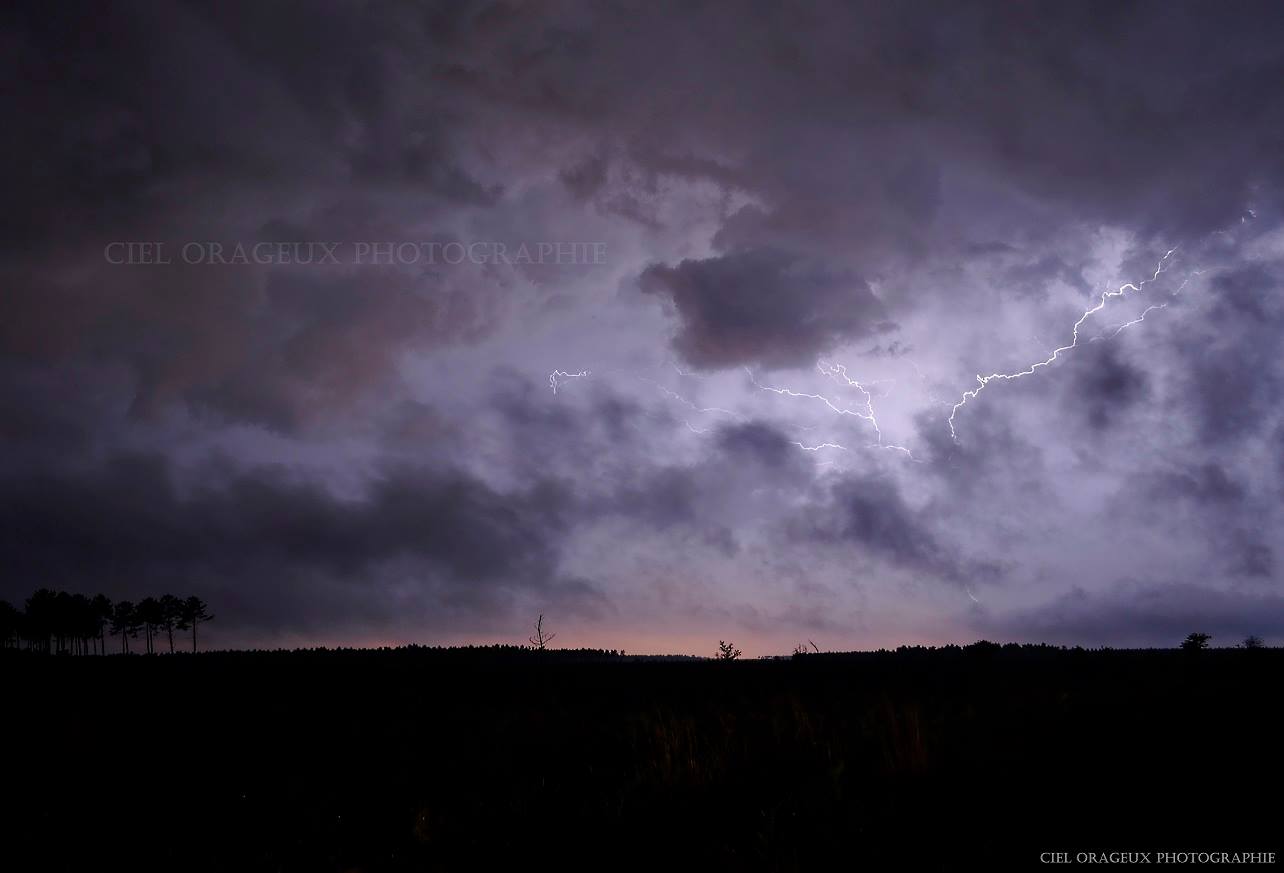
1149,309
708,410
718,410
839,371
817,448
1105,297
788,392
558,377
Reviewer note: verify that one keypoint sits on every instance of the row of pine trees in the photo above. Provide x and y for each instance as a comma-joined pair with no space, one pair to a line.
62,623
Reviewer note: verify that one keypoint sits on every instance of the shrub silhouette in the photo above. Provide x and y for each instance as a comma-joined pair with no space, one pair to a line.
727,651
1196,642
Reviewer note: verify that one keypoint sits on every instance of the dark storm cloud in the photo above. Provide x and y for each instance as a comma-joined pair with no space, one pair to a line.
1104,386
603,439
744,473
1232,362
845,118
277,546
275,346
846,123
992,452
31,425
869,514
798,179
1147,614
1031,278
128,109
1207,503
762,307
1208,484
756,442
182,123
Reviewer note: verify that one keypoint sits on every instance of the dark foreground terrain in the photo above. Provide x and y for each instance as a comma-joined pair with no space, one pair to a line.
971,758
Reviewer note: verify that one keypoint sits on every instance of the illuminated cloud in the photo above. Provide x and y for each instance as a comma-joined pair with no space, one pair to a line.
914,195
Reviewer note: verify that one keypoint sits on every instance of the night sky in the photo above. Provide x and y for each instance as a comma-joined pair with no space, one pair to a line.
703,373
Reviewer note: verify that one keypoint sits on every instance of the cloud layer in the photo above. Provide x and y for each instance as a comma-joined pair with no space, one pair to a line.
817,224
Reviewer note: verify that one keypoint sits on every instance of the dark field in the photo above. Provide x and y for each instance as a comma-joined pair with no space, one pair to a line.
462,760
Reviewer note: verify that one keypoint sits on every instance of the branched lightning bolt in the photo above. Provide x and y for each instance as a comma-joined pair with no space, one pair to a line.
788,392
1149,309
1127,324
557,377
837,371
1105,297
673,395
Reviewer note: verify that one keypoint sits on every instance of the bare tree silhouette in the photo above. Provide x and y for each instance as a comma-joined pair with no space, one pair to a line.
1253,641
541,640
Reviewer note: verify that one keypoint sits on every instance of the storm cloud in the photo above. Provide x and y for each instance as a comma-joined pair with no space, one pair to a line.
817,227
763,307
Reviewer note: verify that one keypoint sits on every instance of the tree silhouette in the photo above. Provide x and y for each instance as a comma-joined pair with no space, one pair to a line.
541,640
151,615
101,607
171,613
77,624
80,623
124,623
41,615
10,625
194,612
1196,642
727,651
1253,641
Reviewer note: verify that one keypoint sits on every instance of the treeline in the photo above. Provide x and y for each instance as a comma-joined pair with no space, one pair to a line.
56,622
